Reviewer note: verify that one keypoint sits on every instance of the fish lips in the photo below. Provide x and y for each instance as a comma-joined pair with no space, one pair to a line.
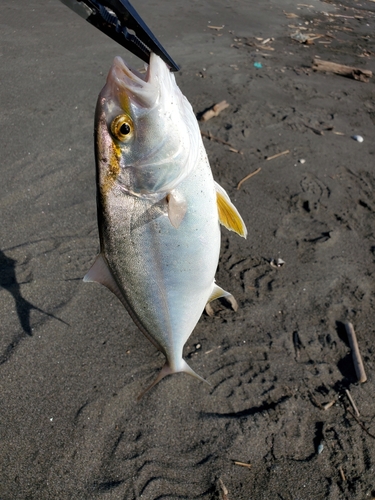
142,90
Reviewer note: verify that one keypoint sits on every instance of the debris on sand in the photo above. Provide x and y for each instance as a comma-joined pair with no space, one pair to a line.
342,473
277,263
208,135
242,464
214,111
357,358
362,75
306,38
223,490
357,138
277,155
352,402
290,15
248,177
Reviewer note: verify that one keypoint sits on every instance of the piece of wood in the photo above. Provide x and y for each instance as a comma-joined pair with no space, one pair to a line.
277,155
224,490
242,464
357,358
214,111
361,424
217,139
327,406
217,28
342,473
362,75
248,177
352,403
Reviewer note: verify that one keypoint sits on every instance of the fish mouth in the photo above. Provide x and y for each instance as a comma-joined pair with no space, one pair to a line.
143,90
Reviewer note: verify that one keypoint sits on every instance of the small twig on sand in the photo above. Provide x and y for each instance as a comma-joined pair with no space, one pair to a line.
342,474
217,28
248,177
214,111
357,359
361,424
277,155
352,402
327,406
224,491
242,464
216,139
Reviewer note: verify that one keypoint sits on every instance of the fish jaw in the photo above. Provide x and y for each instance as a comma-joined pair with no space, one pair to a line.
163,146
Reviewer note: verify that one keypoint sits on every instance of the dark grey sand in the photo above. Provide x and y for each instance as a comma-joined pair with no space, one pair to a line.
72,361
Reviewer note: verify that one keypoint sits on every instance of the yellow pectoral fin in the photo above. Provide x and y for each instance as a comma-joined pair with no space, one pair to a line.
228,213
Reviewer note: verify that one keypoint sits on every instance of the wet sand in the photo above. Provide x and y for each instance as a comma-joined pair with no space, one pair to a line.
72,361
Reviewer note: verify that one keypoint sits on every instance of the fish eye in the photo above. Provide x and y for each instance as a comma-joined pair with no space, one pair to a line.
122,128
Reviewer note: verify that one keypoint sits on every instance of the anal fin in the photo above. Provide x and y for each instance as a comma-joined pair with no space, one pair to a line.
228,213
100,273
218,293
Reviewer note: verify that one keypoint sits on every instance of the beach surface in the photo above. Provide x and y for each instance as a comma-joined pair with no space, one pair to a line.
276,420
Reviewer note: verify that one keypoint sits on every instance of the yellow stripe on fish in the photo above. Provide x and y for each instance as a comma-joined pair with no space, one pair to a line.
113,170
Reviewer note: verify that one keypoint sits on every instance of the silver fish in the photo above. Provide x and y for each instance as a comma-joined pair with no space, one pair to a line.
158,208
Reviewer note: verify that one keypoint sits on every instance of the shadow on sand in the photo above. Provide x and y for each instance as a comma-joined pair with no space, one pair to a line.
9,282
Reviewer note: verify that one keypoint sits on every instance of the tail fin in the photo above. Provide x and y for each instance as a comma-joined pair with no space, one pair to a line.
167,370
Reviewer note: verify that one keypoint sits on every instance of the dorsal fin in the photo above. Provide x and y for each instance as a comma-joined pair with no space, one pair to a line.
228,213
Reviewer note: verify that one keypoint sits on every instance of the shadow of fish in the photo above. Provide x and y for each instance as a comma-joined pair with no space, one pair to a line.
8,281
158,208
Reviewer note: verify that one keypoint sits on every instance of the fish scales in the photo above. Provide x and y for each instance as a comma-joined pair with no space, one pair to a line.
158,214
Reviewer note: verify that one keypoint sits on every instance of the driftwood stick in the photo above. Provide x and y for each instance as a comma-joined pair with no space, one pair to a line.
352,402
327,406
362,75
242,464
361,424
214,111
217,139
248,177
357,359
277,155
342,473
224,491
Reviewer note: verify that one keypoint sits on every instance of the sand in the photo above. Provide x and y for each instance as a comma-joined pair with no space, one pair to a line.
72,361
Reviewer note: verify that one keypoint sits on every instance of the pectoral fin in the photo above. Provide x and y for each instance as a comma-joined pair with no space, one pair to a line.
177,207
228,213
217,293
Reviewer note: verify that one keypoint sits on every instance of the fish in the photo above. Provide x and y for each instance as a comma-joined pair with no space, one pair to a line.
158,207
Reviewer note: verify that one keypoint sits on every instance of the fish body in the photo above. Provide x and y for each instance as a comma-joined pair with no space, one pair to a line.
158,208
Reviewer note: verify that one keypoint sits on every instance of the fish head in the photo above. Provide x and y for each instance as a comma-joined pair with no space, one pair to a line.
147,136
